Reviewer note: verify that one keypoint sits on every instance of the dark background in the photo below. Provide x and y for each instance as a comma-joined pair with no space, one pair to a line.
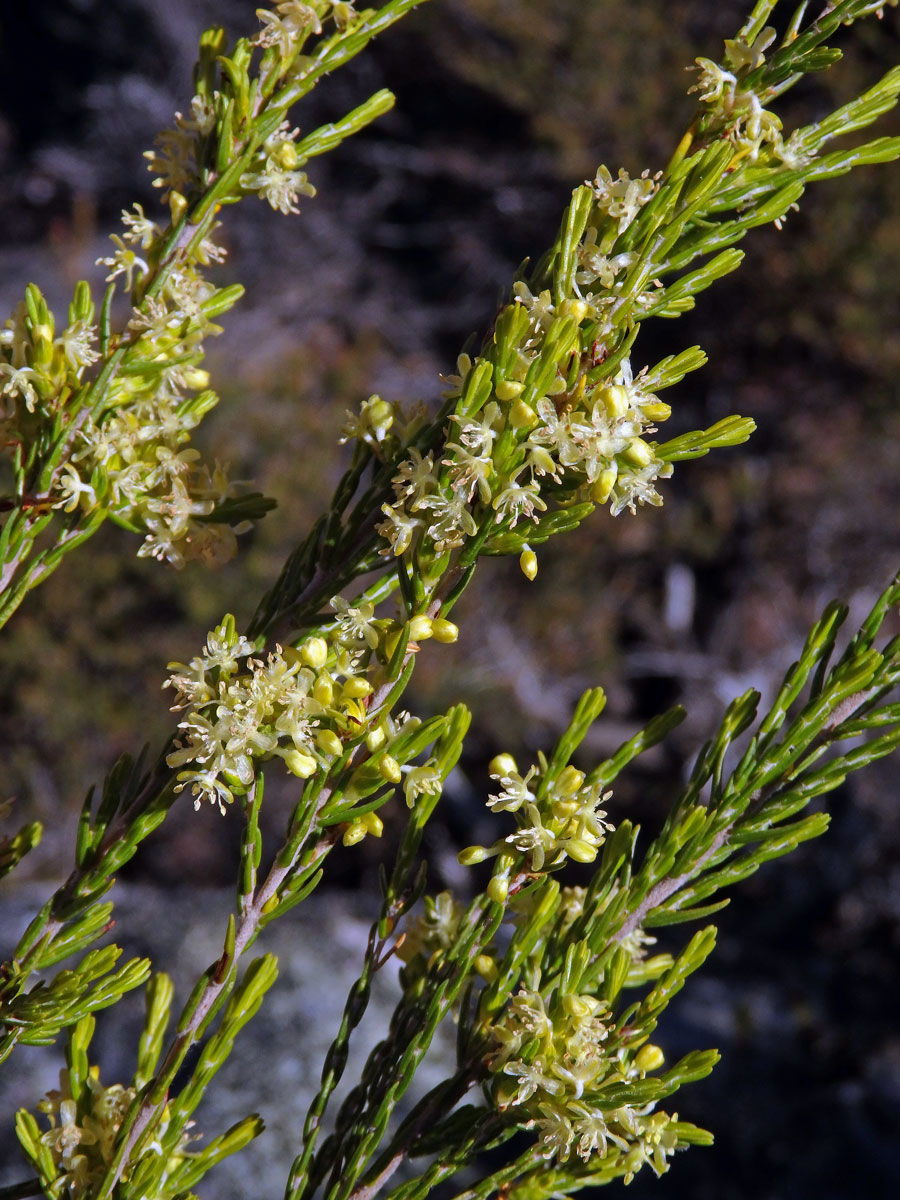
503,105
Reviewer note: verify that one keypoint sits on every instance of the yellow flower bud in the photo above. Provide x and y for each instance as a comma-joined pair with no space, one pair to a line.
522,415
502,764
373,823
657,410
355,832
420,628
314,652
376,738
389,768
649,1057
569,782
444,631
638,453
508,389
328,740
582,851
270,905
323,690
195,378
614,399
603,485
580,1006
355,688
177,206
498,889
529,563
486,967
300,764
471,856
577,309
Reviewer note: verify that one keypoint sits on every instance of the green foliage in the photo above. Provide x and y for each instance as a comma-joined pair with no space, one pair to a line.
552,988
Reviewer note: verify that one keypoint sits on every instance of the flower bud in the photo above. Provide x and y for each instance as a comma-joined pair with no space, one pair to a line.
314,652
486,967
328,740
604,484
444,631
614,399
286,156
389,768
569,782
649,1057
498,888
522,415
376,738
471,856
323,690
355,832
508,389
528,563
420,628
373,823
638,453
355,688
300,764
502,764
657,410
581,850
577,309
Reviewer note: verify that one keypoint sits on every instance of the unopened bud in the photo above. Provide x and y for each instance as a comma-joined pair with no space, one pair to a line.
471,856
528,563
638,453
508,389
603,485
323,690
314,652
522,415
569,781
328,740
582,851
649,1057
657,410
300,764
498,889
614,399
355,688
355,832
389,768
420,628
486,967
444,631
502,764
577,309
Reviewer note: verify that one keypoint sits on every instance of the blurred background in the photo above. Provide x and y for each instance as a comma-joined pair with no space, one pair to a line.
502,107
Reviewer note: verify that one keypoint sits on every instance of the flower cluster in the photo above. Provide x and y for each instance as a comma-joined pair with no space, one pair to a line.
535,418
40,368
737,111
552,1057
302,704
81,1138
557,818
295,704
